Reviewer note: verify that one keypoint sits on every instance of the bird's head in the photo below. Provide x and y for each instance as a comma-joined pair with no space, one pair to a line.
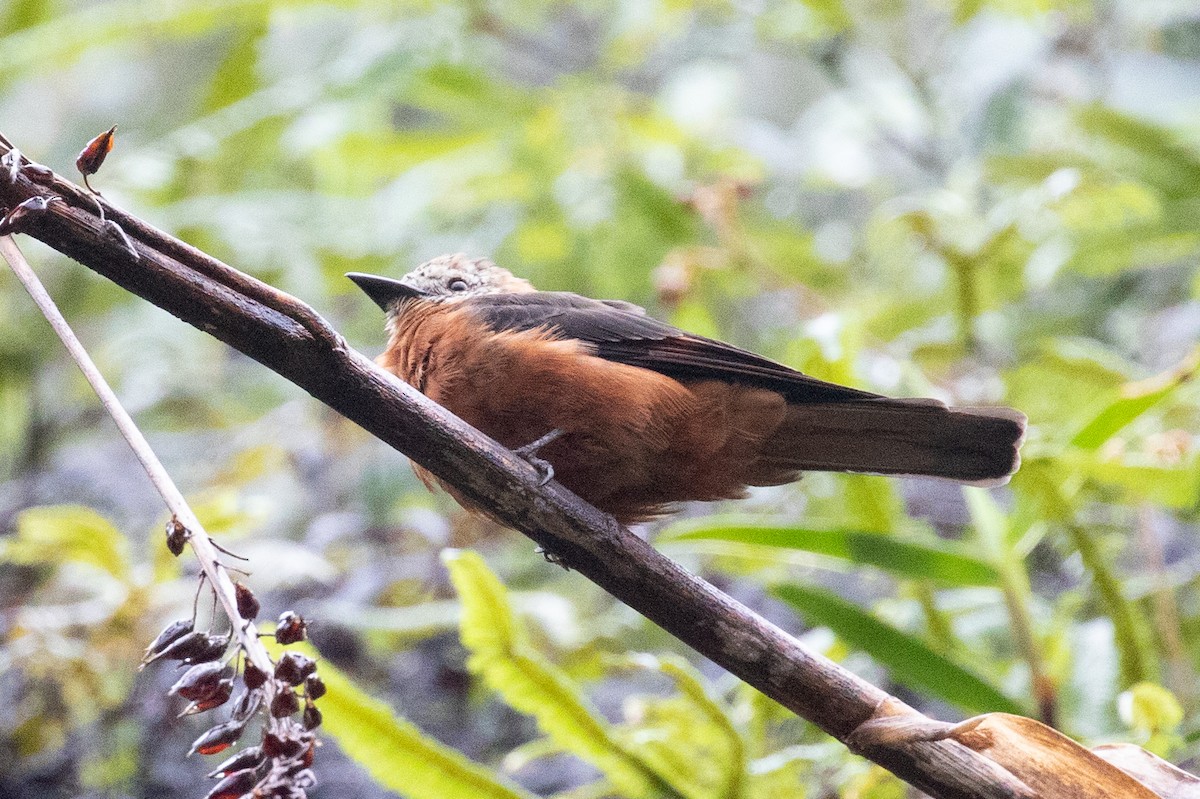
446,278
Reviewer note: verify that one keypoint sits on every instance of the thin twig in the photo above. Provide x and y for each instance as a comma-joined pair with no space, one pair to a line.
205,551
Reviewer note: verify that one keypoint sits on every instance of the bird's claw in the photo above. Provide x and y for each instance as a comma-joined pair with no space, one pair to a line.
528,453
544,467
553,557
115,231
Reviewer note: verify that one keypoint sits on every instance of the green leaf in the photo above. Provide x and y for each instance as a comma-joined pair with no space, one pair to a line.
1096,206
501,654
63,37
870,502
942,562
1172,486
1115,416
1131,633
909,660
396,753
991,524
697,740
1152,708
1162,162
63,533
425,619
1135,399
236,76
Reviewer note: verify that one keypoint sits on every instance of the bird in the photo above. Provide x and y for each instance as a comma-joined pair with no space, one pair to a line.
636,416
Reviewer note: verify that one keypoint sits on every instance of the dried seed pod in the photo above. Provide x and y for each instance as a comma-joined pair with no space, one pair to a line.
312,716
247,602
293,667
254,676
275,746
218,738
285,702
214,647
182,647
200,681
291,628
248,704
286,670
249,758
170,634
177,536
218,697
314,687
272,745
92,156
235,785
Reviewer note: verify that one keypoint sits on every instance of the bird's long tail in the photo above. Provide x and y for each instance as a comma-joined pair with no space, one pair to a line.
899,436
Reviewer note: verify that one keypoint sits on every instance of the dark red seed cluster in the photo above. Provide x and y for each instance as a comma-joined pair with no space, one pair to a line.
279,766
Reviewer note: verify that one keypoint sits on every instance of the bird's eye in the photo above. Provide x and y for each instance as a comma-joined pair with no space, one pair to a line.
457,284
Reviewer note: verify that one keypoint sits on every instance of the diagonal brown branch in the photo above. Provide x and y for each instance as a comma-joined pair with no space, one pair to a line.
288,337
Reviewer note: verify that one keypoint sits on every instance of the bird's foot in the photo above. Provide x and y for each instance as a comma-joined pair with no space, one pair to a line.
528,453
553,557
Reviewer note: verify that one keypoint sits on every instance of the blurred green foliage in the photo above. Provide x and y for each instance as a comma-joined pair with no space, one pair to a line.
987,201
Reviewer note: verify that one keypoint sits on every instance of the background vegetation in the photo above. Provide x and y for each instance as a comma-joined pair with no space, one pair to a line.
988,201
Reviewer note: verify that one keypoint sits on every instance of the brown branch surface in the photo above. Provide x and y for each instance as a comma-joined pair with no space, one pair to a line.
288,337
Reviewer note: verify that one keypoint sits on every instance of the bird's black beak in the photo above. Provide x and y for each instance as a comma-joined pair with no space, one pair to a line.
383,290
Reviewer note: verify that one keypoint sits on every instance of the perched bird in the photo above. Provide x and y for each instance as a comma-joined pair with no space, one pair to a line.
634,415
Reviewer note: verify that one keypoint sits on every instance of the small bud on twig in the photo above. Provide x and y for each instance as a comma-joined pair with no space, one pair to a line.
177,536
247,602
91,158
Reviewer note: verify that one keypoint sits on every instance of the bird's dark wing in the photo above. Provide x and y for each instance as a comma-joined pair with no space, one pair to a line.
622,332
